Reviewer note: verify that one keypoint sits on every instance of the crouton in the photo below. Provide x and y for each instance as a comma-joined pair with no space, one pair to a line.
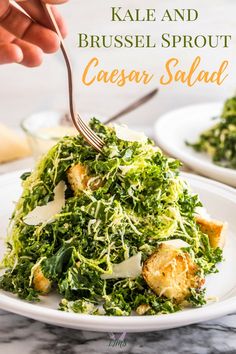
79,179
215,230
171,272
40,282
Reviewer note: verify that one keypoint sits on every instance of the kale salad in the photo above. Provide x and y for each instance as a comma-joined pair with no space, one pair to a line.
98,229
220,141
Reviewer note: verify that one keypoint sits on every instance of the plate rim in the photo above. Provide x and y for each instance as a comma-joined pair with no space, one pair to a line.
120,323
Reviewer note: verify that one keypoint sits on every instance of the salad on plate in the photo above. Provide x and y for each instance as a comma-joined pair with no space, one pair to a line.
219,141
114,233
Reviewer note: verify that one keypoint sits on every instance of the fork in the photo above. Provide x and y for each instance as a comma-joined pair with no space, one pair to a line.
133,106
89,135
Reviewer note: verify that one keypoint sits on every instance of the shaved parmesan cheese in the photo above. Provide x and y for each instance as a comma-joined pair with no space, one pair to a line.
176,243
125,169
130,268
201,211
126,134
45,213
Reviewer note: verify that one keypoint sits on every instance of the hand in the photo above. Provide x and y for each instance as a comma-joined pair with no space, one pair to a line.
24,41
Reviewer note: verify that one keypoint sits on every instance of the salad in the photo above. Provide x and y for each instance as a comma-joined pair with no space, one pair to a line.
220,141
102,229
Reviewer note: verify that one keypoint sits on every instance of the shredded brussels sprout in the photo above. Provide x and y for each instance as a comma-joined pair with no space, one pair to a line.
141,202
220,141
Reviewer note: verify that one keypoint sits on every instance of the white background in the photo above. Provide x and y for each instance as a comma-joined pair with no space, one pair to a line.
23,90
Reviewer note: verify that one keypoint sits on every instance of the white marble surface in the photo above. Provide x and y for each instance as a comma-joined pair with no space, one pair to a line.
21,335
23,91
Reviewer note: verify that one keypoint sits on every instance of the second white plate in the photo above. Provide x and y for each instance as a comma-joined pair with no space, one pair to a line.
173,129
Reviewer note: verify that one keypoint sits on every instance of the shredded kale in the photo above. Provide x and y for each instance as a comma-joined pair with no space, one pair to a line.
197,297
142,201
220,141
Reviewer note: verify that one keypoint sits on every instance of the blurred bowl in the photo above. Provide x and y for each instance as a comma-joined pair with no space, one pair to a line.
44,129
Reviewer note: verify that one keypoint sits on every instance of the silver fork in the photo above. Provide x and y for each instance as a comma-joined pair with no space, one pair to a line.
89,135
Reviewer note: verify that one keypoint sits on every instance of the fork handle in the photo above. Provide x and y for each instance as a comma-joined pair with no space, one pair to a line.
48,11
78,122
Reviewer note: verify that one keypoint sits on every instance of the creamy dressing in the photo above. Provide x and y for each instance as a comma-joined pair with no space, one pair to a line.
57,132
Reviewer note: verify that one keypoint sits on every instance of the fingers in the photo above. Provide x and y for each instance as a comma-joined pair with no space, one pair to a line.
5,36
4,9
43,38
32,39
10,53
20,52
52,2
55,2
37,13
32,55
17,23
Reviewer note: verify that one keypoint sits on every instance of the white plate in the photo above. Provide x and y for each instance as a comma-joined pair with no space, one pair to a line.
186,124
220,202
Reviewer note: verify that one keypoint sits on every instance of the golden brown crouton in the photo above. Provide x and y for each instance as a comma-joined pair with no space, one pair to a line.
79,179
40,282
171,272
215,230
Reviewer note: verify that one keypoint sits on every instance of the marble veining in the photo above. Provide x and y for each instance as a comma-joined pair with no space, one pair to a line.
21,335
